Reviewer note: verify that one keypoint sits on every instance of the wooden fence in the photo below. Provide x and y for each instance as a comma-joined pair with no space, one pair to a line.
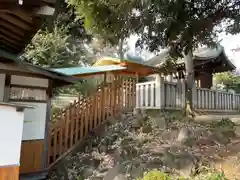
74,122
160,94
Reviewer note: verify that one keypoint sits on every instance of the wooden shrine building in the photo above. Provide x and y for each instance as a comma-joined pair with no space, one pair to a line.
27,88
207,61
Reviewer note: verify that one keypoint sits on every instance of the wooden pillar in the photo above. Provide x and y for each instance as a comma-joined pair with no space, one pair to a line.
105,78
6,95
160,92
137,78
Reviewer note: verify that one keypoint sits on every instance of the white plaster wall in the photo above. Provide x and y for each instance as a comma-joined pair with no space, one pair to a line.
29,81
2,85
11,124
34,121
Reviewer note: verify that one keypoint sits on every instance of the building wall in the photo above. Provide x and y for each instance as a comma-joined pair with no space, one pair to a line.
11,127
34,119
29,81
205,80
33,143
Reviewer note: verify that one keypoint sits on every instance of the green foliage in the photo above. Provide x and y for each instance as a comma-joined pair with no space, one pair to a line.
112,20
229,79
55,49
180,25
212,175
155,175
62,45
55,110
224,123
217,176
158,175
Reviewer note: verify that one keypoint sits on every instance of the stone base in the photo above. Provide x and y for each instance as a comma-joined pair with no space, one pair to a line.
34,176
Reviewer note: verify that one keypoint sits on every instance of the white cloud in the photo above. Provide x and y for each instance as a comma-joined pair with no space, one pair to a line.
231,42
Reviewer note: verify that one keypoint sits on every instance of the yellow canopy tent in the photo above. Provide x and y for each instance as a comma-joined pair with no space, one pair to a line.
133,67
105,61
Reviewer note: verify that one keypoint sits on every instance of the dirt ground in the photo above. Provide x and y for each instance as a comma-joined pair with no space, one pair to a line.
168,142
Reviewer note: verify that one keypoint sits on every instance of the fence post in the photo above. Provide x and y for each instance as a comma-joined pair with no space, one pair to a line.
160,92
233,102
194,95
216,100
183,90
137,96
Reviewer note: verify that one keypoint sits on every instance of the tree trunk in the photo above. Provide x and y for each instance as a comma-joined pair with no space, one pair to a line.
189,65
58,9
121,53
227,87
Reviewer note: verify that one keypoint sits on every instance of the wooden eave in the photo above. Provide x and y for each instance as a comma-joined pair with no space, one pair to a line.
219,64
19,23
9,64
140,69
132,69
87,75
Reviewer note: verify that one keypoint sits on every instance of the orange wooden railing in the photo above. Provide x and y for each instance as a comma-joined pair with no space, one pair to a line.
72,124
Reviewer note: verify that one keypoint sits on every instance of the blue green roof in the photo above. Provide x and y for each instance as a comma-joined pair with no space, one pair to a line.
36,69
71,71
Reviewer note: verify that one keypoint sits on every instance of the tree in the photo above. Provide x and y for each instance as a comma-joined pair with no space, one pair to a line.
112,20
180,25
101,48
229,79
55,49
61,47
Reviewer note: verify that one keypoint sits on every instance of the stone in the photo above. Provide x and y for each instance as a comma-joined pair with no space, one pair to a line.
147,128
188,170
159,122
184,134
143,113
117,155
118,169
136,111
120,177
103,148
229,133
87,171
137,123
136,172
218,137
184,163
95,162
205,142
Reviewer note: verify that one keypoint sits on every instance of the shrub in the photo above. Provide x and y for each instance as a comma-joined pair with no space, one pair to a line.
158,175
224,123
155,175
55,110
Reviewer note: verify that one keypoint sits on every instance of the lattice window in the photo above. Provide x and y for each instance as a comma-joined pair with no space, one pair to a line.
27,94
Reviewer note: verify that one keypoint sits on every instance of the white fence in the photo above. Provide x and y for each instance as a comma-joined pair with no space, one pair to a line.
160,94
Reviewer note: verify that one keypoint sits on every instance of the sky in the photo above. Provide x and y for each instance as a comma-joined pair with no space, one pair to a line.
229,42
